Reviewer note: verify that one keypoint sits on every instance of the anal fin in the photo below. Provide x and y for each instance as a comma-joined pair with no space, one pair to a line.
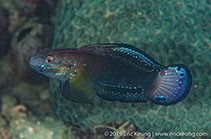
123,93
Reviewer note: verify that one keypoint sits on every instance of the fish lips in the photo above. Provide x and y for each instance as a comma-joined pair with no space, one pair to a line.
35,64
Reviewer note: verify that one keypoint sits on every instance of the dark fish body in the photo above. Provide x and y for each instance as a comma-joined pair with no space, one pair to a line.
113,72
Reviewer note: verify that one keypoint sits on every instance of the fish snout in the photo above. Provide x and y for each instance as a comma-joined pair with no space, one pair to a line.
35,63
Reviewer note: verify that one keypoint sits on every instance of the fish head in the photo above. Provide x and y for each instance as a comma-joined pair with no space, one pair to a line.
52,65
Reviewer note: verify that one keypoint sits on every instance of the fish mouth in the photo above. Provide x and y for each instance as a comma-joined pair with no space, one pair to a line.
34,65
36,68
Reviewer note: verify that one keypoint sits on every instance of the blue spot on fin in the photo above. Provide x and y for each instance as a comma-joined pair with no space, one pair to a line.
123,93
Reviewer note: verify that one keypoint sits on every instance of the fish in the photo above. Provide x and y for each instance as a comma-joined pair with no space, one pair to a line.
113,72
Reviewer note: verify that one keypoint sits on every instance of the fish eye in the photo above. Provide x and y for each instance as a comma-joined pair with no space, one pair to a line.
49,59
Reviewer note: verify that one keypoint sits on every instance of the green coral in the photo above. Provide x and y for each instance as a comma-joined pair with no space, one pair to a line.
170,31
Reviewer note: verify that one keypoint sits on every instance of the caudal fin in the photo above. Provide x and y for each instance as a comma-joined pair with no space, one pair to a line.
171,85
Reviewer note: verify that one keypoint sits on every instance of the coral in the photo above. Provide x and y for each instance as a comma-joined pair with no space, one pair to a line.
27,6
20,11
176,34
8,103
33,128
23,125
3,128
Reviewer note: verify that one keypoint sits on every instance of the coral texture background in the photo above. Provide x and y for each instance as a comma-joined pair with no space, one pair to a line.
171,31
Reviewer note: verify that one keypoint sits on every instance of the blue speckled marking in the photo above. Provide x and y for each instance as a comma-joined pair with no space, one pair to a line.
138,55
126,93
160,98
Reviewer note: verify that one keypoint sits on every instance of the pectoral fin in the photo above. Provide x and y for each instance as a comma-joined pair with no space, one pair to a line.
80,91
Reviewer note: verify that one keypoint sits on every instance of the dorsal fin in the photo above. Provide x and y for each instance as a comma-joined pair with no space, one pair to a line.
126,54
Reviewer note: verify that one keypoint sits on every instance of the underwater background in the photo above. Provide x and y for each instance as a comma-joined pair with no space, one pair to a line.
171,31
